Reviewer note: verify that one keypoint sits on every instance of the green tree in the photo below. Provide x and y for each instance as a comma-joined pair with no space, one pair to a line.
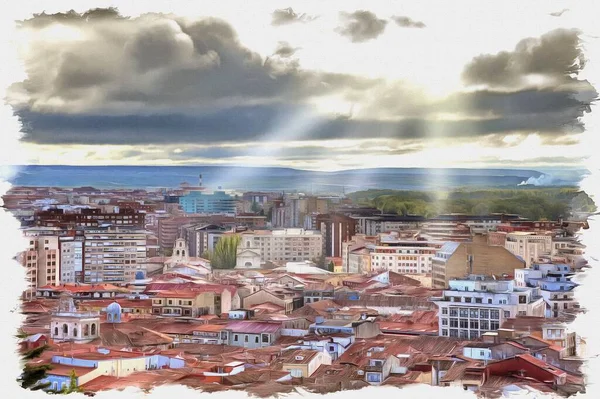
255,208
72,387
224,255
32,374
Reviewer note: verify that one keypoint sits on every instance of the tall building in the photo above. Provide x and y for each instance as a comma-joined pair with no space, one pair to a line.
335,229
42,261
71,258
457,260
477,304
113,255
198,202
287,245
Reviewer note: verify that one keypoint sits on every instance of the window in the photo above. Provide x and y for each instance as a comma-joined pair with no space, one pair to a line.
93,329
464,312
494,325
454,323
464,323
506,314
86,330
478,300
489,300
464,333
373,377
482,353
74,332
444,333
55,330
444,322
494,314
484,314
453,312
444,310
454,333
468,300
256,340
522,299
474,313
65,329
484,324
474,324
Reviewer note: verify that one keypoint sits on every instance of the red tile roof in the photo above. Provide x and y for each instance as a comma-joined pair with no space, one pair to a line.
65,370
253,327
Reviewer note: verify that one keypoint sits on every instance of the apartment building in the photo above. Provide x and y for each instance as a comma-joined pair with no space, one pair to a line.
71,258
457,260
286,245
403,256
356,243
335,228
554,282
41,260
90,217
477,304
528,246
113,255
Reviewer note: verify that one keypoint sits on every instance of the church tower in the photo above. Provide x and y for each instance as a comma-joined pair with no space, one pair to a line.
68,324
180,251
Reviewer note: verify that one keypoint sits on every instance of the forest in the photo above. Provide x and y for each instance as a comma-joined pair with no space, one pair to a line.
547,203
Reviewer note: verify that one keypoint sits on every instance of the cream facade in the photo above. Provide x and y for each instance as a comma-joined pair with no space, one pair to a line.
529,246
113,256
287,245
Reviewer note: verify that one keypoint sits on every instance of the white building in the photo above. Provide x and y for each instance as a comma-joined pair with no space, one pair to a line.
113,256
554,282
70,325
403,256
71,259
528,246
287,245
248,255
478,304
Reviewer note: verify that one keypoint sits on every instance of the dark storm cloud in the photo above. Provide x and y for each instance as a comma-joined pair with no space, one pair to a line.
531,102
288,16
161,62
406,22
252,123
158,79
361,26
556,55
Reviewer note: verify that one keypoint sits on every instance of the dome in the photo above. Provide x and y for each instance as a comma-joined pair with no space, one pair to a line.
113,313
139,275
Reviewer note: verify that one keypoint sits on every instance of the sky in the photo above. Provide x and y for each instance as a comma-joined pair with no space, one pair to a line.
310,85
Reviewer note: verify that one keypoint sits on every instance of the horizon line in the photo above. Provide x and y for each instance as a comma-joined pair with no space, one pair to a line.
533,169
